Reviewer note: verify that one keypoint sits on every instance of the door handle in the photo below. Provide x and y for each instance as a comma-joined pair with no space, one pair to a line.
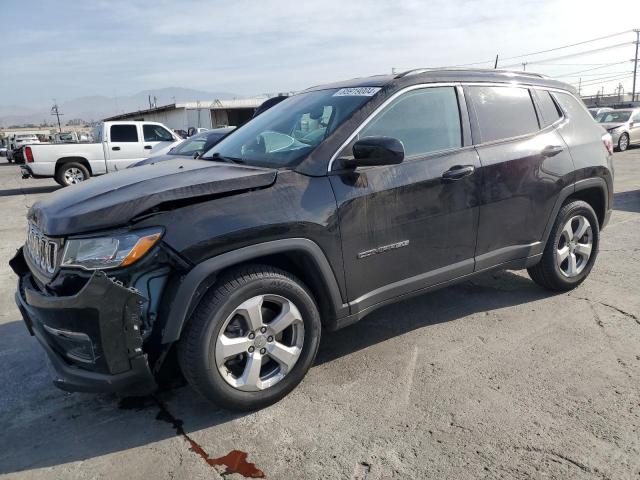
148,147
457,172
551,150
115,148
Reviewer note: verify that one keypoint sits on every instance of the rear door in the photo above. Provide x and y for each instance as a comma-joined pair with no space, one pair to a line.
634,127
155,136
408,226
525,164
124,146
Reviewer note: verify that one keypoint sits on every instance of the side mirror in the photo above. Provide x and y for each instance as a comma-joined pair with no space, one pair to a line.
373,151
196,155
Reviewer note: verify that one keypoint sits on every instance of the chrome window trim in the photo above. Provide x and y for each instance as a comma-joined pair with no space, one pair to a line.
456,84
382,106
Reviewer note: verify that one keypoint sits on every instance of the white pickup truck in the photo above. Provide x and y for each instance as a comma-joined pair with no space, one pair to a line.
117,145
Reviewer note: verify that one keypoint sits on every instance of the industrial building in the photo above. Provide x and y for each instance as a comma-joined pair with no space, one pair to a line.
206,114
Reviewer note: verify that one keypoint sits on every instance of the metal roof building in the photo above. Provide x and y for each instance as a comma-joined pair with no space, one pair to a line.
207,114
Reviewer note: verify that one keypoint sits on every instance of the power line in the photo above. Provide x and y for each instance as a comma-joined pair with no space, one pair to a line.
545,51
596,75
604,80
590,69
568,46
578,54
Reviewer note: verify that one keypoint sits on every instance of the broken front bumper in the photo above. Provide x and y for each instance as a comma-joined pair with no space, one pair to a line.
92,338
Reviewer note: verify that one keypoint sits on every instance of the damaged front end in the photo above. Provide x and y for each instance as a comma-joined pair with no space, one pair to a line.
94,333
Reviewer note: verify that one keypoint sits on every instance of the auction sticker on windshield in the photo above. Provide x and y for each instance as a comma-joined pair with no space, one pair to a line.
357,92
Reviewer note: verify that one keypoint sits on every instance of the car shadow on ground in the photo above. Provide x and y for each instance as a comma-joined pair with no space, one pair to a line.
627,201
44,427
29,190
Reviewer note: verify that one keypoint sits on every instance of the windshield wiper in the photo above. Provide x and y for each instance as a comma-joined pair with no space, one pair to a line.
219,158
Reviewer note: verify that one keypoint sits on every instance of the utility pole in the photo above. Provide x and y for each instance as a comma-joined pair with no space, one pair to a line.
495,65
635,65
55,110
524,66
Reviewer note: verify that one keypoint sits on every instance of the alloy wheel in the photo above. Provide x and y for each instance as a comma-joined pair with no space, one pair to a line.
73,175
574,246
259,343
623,143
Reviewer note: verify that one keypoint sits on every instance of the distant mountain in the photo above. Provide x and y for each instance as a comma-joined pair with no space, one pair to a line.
98,107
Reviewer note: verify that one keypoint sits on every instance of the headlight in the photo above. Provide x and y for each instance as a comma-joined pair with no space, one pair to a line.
109,252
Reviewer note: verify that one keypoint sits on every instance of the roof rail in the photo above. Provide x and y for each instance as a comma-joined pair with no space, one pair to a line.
417,71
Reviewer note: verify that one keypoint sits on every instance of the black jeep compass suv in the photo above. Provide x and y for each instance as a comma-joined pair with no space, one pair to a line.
336,201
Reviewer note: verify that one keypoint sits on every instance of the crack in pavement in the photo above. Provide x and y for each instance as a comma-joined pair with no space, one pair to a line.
613,307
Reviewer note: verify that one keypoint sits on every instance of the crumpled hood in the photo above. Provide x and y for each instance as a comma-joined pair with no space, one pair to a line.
112,200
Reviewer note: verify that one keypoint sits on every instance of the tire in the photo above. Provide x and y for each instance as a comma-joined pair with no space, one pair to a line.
623,142
71,173
554,273
200,351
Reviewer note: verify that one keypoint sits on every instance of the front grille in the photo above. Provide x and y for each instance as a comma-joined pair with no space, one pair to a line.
41,250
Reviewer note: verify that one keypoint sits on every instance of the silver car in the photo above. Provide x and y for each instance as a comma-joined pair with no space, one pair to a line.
623,125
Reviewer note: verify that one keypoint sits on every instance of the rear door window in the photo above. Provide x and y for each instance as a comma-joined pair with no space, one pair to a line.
124,133
548,108
425,120
503,112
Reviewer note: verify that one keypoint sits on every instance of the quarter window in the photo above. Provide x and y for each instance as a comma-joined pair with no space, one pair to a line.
548,108
425,120
124,133
503,112
155,133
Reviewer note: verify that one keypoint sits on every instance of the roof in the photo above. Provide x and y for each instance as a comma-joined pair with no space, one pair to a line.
205,104
437,75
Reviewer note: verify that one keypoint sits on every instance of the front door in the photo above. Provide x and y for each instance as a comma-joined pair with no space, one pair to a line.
124,146
411,225
155,138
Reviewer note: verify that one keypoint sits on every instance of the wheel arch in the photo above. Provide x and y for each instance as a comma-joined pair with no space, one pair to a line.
301,257
593,190
83,161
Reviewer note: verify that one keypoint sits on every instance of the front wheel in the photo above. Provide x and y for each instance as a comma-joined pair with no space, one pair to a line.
71,173
252,338
571,249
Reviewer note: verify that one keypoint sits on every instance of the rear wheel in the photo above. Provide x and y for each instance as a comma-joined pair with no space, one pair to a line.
71,173
252,338
571,249
623,142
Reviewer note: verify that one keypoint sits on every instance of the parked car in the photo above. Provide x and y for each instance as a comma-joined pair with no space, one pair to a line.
71,137
118,145
21,139
17,155
181,133
623,125
192,147
3,151
268,103
595,111
338,200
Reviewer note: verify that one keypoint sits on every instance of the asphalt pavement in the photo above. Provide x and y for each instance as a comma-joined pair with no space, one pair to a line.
493,378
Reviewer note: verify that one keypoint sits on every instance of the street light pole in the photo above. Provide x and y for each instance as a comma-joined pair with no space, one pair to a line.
635,66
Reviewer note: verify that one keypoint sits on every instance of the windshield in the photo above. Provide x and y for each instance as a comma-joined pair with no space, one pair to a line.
283,135
613,117
190,146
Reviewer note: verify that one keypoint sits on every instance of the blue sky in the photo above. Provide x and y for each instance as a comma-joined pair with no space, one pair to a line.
67,49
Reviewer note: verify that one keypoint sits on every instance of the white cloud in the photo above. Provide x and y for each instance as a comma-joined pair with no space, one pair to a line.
264,46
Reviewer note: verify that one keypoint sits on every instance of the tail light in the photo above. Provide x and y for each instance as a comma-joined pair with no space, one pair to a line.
608,143
28,154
